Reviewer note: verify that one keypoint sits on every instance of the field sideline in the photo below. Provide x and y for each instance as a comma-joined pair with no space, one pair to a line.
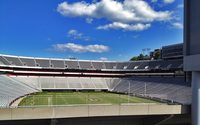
68,98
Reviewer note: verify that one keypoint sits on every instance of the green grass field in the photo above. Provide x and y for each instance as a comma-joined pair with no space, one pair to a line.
68,98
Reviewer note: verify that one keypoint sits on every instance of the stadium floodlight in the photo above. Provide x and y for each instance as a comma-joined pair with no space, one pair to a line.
146,51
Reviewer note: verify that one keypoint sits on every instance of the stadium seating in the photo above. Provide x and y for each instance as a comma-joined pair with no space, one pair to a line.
91,65
144,65
42,62
13,61
110,65
122,65
10,89
1,63
69,83
28,61
58,63
99,83
85,65
72,64
162,87
4,60
134,65
169,88
87,83
98,65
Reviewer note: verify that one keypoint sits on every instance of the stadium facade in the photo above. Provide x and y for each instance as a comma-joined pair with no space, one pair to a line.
162,80
62,74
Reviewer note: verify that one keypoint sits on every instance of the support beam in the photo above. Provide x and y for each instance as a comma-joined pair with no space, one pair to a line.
195,98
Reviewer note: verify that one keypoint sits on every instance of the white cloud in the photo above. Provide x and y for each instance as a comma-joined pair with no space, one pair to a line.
104,59
129,12
89,20
126,27
180,6
168,1
177,25
74,34
77,48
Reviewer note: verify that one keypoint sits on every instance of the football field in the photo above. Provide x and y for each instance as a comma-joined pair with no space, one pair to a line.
71,98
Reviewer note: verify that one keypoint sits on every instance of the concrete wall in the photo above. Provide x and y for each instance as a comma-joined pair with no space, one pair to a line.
192,26
192,62
90,111
192,35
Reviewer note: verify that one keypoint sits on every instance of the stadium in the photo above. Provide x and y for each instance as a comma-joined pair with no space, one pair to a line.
163,79
28,82
58,91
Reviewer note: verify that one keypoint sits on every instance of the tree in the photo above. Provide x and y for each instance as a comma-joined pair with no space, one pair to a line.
135,58
157,55
141,57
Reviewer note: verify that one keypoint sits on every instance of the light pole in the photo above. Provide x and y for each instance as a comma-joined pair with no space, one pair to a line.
129,89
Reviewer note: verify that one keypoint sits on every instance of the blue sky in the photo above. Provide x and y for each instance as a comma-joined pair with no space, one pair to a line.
91,29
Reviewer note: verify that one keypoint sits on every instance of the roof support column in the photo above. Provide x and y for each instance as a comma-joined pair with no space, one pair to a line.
195,98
